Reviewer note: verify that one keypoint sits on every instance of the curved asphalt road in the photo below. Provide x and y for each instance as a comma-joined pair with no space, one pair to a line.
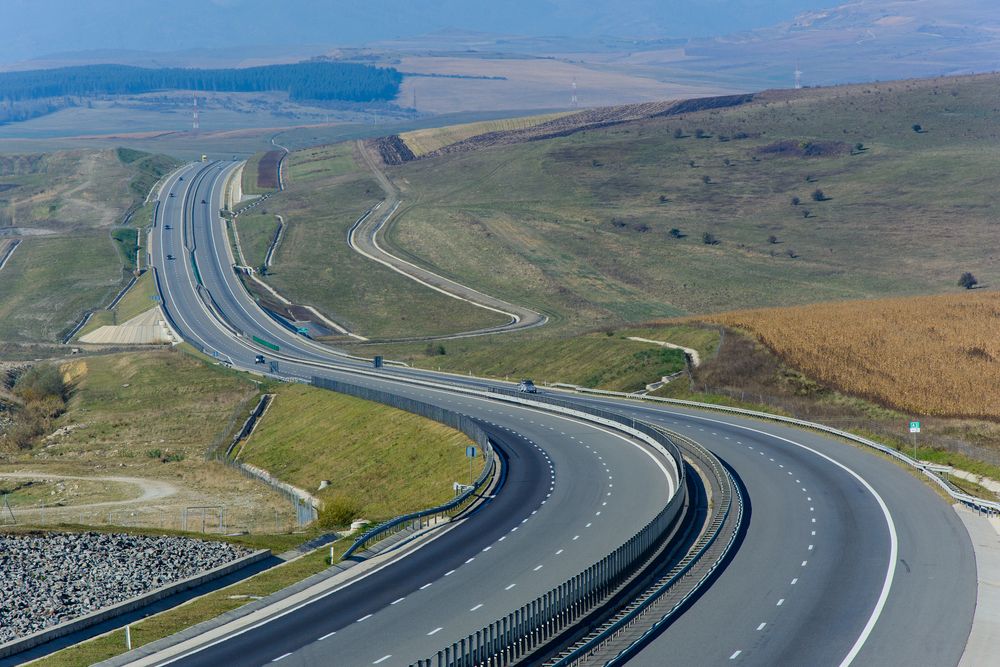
847,558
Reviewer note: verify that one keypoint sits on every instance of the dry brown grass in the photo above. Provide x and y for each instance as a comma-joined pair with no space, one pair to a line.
428,140
934,355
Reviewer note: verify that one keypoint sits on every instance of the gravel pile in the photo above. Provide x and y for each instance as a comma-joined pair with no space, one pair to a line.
54,577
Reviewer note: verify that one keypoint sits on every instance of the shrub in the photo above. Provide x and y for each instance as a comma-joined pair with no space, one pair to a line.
708,238
41,382
676,233
339,511
678,133
818,195
796,201
967,280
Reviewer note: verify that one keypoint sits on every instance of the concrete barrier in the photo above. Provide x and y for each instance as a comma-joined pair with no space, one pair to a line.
101,615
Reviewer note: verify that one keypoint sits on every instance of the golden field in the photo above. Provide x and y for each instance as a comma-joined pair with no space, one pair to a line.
422,142
934,355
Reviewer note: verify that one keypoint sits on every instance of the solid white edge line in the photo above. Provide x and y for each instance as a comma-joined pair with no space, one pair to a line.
890,524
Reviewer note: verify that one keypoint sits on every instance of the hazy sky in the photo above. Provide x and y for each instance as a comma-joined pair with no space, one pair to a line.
32,28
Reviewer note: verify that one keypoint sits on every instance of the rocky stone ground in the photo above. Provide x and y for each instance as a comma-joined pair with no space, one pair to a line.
49,578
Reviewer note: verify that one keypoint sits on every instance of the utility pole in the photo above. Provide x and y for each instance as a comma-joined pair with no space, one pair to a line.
798,77
195,122
573,101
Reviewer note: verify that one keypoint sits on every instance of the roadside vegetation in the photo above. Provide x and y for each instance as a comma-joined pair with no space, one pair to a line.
379,461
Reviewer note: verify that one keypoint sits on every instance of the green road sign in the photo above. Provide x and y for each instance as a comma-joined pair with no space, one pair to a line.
914,427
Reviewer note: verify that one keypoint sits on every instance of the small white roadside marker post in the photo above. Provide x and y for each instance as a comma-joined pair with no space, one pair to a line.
128,638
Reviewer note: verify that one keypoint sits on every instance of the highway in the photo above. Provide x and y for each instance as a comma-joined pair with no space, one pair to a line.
846,557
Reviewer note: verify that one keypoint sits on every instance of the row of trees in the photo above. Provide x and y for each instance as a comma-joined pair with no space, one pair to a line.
309,80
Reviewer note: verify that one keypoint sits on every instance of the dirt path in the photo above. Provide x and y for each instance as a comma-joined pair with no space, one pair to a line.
150,489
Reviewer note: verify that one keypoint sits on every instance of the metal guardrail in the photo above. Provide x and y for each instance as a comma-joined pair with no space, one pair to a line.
975,502
461,422
701,561
513,637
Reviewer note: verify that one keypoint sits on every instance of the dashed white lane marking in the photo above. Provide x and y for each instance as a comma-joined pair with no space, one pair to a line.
449,573
761,627
364,618
510,587
735,655
780,602
810,547
813,532
576,537
804,563
382,659
281,657
427,585
809,498
327,636
505,537
478,606
795,581
397,601
588,525
434,631
469,560
537,568
560,551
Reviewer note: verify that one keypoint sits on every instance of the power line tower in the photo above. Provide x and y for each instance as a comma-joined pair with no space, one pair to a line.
798,77
414,99
573,101
195,121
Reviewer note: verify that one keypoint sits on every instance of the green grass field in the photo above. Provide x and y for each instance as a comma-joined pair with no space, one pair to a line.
579,226
51,280
326,192
75,264
256,229
386,461
595,360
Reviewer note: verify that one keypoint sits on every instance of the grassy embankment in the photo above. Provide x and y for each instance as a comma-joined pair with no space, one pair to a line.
68,203
126,405
326,191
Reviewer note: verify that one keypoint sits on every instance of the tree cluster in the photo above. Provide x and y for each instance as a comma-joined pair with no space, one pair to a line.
308,80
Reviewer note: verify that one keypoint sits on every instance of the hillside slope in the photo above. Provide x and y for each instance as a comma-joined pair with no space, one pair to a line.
693,213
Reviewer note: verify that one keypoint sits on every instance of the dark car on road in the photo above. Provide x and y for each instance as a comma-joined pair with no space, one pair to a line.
259,359
527,387
170,256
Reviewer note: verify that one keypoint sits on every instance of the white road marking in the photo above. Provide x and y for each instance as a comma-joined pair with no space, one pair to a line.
470,560
327,636
537,568
397,601
804,563
761,627
576,537
364,618
434,631
281,657
560,551
781,602
382,659
510,587
449,573
427,585
478,606
795,581
735,655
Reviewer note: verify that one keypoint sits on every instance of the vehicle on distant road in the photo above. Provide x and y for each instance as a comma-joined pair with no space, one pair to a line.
170,256
167,227
259,359
203,201
527,387
181,178
171,194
